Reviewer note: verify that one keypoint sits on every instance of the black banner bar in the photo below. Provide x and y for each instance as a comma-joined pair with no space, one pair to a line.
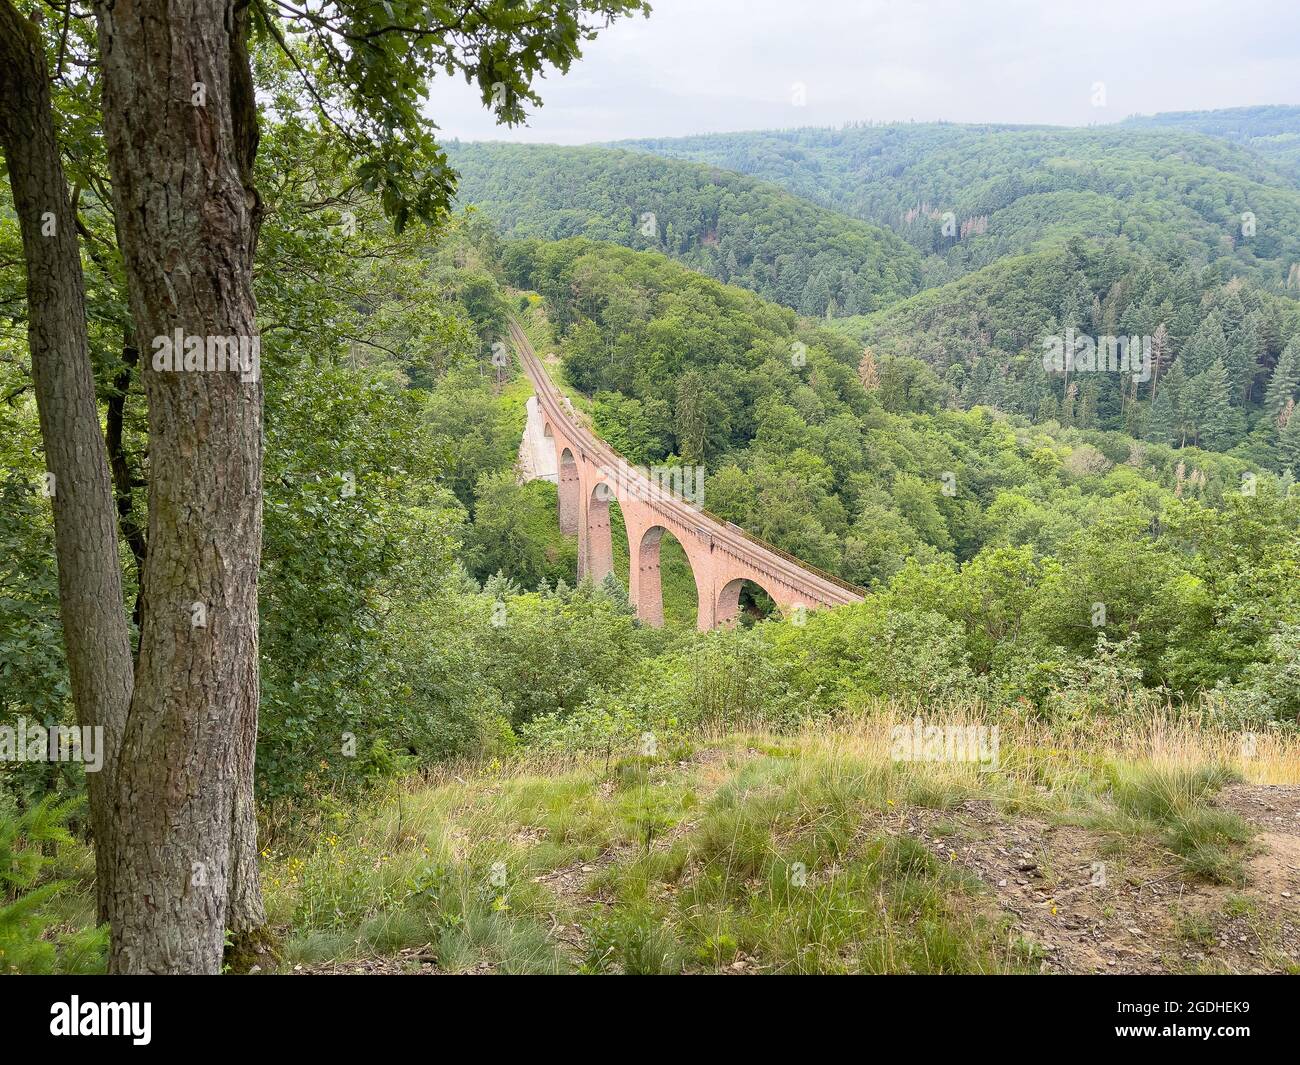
1043,1014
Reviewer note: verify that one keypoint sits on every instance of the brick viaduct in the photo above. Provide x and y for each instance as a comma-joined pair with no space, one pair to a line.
722,556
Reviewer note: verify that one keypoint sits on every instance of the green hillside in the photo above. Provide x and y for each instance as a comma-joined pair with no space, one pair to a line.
984,335
966,195
1271,130
857,480
730,227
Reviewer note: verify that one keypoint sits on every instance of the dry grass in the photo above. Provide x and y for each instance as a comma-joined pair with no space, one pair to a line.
690,859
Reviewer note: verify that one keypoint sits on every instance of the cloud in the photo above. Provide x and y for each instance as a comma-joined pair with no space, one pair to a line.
711,65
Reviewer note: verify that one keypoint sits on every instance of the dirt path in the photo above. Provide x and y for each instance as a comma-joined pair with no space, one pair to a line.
1094,907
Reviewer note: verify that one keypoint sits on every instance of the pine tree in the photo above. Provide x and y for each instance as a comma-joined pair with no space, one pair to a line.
614,590
1285,380
1232,311
816,296
1161,355
1194,408
1220,424
1160,421
1176,389
1288,445
1072,305
868,370
1208,344
1086,417
1243,361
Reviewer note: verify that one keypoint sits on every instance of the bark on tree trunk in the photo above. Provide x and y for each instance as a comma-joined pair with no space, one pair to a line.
184,783
247,913
95,634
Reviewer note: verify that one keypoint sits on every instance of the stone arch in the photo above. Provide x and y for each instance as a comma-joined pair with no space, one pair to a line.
570,487
728,607
646,585
598,550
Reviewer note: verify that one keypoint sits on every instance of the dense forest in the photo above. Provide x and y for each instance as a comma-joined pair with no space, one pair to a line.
966,195
864,471
439,743
1218,363
730,227
1270,130
1179,244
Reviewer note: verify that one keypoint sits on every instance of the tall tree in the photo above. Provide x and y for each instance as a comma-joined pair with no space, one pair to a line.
95,632
1220,422
1243,356
174,824
1207,345
180,132
181,126
1159,427
1161,355
1284,382
1289,442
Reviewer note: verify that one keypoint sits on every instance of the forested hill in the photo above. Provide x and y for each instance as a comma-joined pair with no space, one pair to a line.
967,195
1224,357
731,227
851,466
1270,130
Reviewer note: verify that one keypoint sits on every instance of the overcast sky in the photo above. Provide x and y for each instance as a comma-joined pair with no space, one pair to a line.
707,65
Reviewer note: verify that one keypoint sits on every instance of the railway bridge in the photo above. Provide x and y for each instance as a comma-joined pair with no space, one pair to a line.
722,556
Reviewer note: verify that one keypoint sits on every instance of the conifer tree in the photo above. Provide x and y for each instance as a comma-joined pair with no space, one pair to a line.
1208,344
1160,419
1243,357
1219,422
1288,444
1285,380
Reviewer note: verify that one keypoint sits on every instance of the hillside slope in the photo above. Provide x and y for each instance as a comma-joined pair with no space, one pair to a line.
1271,130
985,334
730,227
815,853
967,195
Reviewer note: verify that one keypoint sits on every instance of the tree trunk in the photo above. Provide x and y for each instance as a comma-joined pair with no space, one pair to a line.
95,633
247,913
186,221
